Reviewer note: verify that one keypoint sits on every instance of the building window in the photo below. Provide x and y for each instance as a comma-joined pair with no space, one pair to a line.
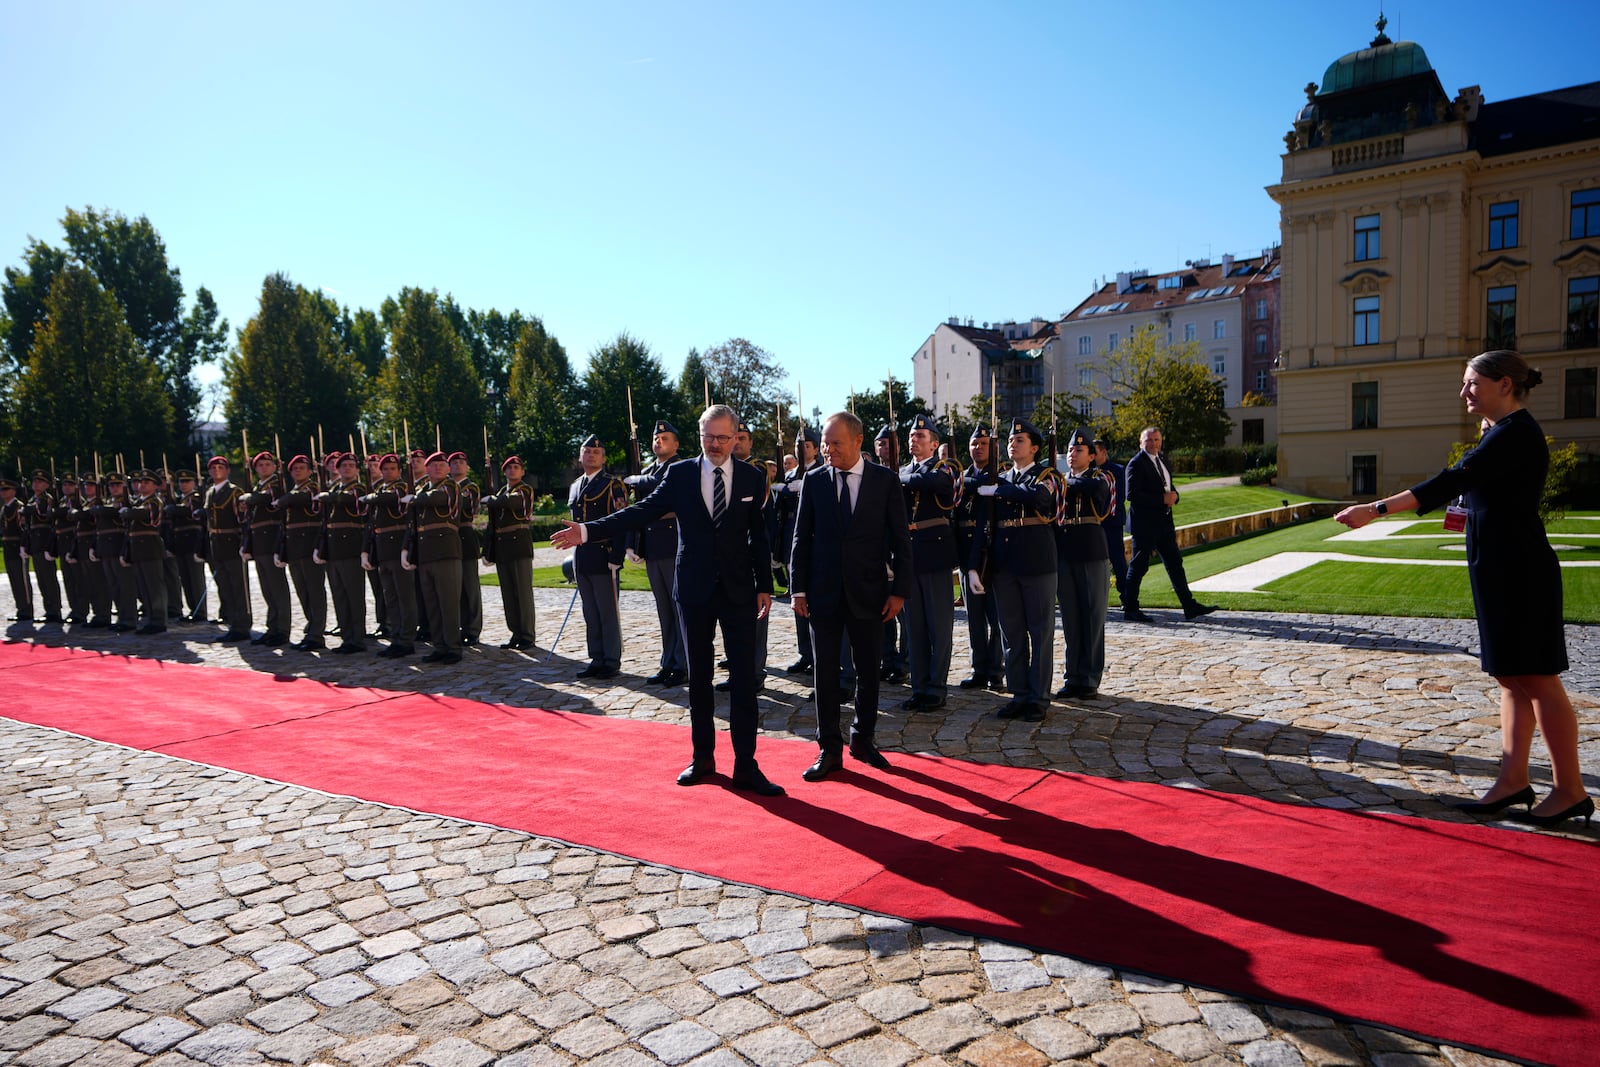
1583,304
1364,405
1367,245
1219,365
1171,281
1085,344
1363,475
1503,224
1585,214
1366,321
1261,344
1085,376
1188,331
1581,382
1261,308
1111,342
1219,329
1501,326
1262,378
1253,432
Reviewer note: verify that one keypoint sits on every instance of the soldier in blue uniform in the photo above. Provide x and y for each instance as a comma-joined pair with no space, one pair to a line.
1020,538
594,495
1081,587
933,489
894,666
656,546
1117,518
807,446
983,621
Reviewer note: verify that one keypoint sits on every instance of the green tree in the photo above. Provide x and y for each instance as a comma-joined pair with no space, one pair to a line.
1151,383
1559,480
291,374
623,363
86,384
429,379
748,379
872,408
540,405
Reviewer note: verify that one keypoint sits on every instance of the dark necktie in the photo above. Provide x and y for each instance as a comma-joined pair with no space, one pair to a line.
719,497
844,498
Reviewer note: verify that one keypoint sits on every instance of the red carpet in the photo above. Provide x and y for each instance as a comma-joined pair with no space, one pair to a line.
1391,920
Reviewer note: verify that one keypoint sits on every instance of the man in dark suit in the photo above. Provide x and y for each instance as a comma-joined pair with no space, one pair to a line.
851,565
1150,498
723,577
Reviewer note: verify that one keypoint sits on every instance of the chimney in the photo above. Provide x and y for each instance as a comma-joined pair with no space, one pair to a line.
1122,282
1227,264
953,320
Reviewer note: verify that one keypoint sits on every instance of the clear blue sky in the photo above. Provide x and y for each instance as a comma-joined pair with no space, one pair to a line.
827,179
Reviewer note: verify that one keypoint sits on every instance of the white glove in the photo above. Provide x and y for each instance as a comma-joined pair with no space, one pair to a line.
988,490
246,556
70,558
615,567
49,558
636,479
792,487
277,561
366,562
92,557
633,557
198,558
25,554
405,560
408,498
975,583
316,556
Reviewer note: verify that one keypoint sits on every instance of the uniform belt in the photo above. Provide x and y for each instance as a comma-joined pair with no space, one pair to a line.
263,526
967,524
928,524
1031,520
144,533
347,526
302,526
671,516
388,529
1082,520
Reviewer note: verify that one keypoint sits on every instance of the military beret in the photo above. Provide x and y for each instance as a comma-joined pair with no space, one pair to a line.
1080,436
350,457
885,433
980,431
926,422
1024,426
218,461
452,457
259,456
389,457
299,459
509,460
417,453
663,426
593,441
437,457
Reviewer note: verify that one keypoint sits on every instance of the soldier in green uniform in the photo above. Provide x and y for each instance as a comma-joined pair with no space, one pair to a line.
145,551
97,594
262,545
471,547
434,549
388,523
13,532
380,607
41,546
170,572
596,494
65,525
343,533
302,525
509,546
185,523
110,540
223,546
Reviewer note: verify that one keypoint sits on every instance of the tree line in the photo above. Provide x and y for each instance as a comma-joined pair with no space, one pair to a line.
100,345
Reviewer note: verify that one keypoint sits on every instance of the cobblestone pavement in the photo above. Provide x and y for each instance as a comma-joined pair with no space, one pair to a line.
154,911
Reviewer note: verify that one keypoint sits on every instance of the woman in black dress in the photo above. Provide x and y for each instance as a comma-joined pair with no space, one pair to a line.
1516,585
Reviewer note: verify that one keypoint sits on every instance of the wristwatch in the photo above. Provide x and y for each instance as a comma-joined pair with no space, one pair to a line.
1381,507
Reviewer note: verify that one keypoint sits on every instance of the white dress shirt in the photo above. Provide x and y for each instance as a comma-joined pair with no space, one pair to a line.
706,467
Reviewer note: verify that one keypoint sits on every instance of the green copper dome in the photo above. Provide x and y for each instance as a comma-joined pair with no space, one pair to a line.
1382,61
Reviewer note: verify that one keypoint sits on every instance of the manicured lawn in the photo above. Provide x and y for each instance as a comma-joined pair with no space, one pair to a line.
1203,505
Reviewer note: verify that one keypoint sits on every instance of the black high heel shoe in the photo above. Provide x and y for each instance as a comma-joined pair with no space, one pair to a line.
1523,796
1583,808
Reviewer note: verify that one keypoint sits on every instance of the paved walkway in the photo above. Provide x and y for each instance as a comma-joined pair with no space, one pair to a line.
154,911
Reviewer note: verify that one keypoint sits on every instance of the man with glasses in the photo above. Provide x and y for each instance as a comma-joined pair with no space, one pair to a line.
724,578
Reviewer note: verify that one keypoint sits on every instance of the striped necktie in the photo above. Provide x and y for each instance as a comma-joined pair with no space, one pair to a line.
719,497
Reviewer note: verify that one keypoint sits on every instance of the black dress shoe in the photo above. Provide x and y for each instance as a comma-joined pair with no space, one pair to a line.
656,678
997,682
1032,713
676,678
868,753
1135,615
121,627
75,619
696,773
724,686
911,703
54,620
398,651
348,649
846,694
101,624
442,655
275,640
1197,609
1009,710
590,671
150,628
931,703
827,763
894,677
1583,809
723,664
606,672
1066,692
753,781
309,644
234,635
470,640
1086,693
976,681
799,666
1523,796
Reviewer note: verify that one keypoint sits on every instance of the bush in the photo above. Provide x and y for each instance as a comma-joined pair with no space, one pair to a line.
1259,475
1222,460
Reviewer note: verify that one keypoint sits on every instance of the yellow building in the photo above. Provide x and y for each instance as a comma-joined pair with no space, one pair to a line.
1419,229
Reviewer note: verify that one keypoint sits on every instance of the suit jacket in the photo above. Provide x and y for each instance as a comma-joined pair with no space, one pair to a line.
1145,488
734,554
846,570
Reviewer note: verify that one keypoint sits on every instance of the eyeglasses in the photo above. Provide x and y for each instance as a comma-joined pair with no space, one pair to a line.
717,438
